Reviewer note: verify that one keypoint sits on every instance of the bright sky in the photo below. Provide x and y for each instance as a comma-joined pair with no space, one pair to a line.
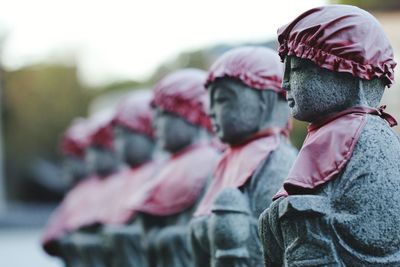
129,38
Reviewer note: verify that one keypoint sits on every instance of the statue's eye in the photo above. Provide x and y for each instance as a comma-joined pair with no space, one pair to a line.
221,99
295,67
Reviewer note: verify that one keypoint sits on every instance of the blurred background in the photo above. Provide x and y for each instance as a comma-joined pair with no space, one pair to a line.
61,59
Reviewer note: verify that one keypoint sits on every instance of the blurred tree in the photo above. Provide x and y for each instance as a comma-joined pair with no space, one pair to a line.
298,133
199,59
39,102
123,85
3,200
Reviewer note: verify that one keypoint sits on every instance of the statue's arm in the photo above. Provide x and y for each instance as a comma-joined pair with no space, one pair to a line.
271,236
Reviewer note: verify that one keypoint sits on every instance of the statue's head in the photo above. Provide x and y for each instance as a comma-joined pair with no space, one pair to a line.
244,86
180,102
73,147
133,128
100,155
336,57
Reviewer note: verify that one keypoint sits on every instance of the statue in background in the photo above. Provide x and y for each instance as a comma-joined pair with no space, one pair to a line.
182,128
56,241
250,114
86,220
77,221
134,143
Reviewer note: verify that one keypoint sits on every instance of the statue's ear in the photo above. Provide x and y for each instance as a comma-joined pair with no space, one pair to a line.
371,91
361,90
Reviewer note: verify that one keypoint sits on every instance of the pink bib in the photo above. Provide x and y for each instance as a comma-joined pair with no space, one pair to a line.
237,165
130,192
180,182
74,212
326,149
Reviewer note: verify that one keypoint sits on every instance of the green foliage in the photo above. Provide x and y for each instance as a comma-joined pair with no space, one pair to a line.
298,133
123,85
196,59
39,102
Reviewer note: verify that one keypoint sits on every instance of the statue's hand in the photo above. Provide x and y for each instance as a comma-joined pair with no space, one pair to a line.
300,205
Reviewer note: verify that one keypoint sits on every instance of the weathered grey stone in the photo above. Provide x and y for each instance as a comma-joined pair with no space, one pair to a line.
173,247
314,93
200,242
132,147
352,220
125,245
74,169
69,252
230,228
101,161
91,248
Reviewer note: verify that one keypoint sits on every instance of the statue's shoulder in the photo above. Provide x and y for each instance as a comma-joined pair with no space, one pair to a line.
282,158
374,164
378,137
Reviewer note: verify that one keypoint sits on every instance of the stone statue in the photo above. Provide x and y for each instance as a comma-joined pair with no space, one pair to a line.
250,114
182,128
56,241
134,143
340,204
86,223
76,222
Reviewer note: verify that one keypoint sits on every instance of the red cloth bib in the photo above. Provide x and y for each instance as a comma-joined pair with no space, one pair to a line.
75,211
100,201
180,181
237,166
128,192
326,149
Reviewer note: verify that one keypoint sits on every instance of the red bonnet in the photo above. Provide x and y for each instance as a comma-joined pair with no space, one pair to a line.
183,94
100,130
257,67
135,112
340,38
75,139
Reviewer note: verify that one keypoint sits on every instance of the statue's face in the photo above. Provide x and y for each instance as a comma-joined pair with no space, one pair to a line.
236,110
173,133
101,161
314,92
132,147
74,169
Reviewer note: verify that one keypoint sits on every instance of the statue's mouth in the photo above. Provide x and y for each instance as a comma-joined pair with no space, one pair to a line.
291,102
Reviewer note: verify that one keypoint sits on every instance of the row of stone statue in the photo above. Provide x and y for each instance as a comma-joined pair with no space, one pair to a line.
246,197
